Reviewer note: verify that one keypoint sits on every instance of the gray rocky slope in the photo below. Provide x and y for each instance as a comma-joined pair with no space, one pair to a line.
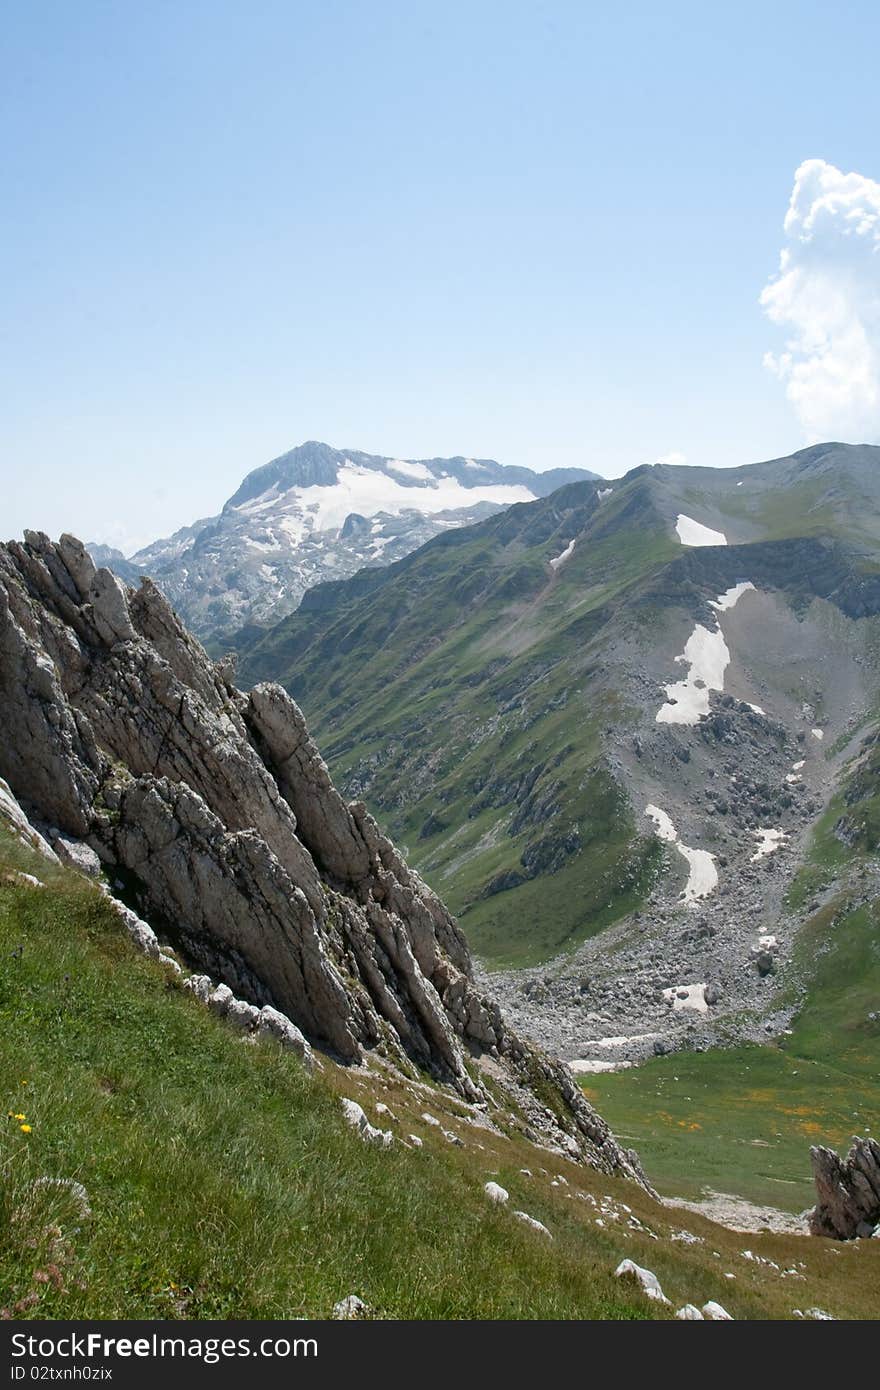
216,811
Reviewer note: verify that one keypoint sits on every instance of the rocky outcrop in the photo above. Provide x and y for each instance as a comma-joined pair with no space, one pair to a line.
217,812
847,1191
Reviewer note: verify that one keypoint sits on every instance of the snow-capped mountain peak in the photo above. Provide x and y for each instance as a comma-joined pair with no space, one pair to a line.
319,513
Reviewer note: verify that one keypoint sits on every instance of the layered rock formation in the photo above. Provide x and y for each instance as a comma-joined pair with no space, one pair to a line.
217,811
847,1191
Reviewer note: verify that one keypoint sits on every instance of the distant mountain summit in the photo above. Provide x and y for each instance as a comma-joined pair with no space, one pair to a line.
319,513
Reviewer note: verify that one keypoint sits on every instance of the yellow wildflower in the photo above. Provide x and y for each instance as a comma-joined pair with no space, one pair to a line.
18,1117
25,1129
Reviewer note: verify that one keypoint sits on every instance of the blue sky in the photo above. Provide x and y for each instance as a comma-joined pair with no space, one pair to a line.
537,232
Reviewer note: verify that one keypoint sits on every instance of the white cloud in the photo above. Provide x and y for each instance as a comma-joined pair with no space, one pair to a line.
827,295
673,458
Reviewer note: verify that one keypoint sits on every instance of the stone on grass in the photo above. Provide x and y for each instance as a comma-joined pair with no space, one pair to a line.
350,1309
647,1282
219,1000
242,1015
496,1193
531,1221
201,986
355,1116
713,1312
78,855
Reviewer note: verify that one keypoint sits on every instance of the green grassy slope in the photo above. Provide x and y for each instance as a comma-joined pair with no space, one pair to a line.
223,1182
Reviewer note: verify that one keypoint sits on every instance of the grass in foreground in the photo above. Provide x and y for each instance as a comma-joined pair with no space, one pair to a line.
223,1181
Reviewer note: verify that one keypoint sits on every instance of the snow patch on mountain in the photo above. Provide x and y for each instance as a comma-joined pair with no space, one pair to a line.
702,874
687,997
409,470
707,657
365,492
692,532
770,840
561,559
730,596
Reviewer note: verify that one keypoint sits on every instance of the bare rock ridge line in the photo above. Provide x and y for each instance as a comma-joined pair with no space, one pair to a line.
217,808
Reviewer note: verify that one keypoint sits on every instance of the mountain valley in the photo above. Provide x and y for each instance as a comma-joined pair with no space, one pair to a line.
609,747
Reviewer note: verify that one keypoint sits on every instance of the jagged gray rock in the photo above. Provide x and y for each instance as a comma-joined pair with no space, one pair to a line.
847,1191
141,933
272,1024
127,739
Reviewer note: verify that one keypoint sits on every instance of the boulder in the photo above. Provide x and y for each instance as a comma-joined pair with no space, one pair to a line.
496,1193
713,1312
647,1282
78,855
15,818
202,986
